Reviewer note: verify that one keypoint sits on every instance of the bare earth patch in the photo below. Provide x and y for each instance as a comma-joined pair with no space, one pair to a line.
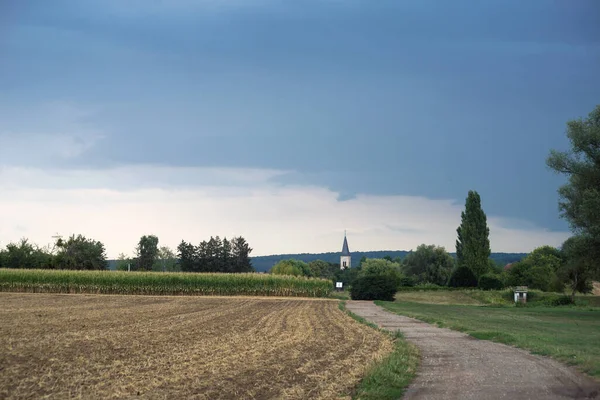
103,347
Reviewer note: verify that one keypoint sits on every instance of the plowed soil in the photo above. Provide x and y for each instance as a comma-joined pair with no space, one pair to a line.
103,347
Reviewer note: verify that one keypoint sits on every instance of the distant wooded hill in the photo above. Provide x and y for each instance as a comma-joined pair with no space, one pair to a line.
264,263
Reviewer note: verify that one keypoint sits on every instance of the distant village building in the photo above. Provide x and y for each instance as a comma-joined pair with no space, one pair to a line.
345,257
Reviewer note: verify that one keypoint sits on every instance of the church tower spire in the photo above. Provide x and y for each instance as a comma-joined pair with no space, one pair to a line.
345,257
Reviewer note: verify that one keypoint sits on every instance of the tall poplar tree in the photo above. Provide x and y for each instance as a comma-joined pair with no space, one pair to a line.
473,244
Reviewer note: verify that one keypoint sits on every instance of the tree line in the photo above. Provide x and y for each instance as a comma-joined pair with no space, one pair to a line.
81,253
216,255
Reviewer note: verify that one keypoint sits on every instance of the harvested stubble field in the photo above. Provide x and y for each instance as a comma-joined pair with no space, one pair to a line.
110,346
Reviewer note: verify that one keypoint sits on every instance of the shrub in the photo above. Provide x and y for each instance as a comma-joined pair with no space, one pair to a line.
380,266
373,287
561,301
490,282
462,277
408,281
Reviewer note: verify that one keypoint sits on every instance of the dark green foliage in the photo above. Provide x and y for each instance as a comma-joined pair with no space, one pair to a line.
428,264
462,276
25,255
147,252
373,287
562,301
408,281
240,255
382,266
538,270
78,252
215,255
346,276
490,282
291,267
577,270
580,197
323,269
472,244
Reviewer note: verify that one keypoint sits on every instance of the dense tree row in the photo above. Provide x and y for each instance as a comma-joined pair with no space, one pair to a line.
77,252
216,255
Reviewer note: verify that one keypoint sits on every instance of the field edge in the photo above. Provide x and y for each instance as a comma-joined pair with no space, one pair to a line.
388,378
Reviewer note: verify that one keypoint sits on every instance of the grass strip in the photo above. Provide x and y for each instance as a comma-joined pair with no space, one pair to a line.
569,334
389,378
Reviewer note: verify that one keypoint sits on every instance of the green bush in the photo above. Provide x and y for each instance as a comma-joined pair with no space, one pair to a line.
373,287
561,301
490,282
408,281
462,277
380,266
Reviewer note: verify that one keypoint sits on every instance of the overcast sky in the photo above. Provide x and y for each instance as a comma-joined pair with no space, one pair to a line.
287,122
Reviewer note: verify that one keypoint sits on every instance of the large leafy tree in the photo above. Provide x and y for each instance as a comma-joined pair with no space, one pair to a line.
79,252
323,269
578,267
579,201
539,270
166,260
473,244
147,252
429,264
580,196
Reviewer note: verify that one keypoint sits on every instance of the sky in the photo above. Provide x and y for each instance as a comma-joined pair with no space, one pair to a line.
288,122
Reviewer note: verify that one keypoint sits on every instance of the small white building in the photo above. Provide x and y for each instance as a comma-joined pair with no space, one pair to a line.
521,294
345,257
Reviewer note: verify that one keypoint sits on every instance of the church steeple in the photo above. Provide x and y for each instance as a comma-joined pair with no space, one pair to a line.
345,257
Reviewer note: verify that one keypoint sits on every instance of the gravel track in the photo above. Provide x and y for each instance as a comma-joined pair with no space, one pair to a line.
455,365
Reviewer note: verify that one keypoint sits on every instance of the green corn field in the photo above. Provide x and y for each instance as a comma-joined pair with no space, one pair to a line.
161,283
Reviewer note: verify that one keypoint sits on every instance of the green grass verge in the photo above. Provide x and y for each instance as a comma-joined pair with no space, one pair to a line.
490,297
343,295
388,378
570,334
161,283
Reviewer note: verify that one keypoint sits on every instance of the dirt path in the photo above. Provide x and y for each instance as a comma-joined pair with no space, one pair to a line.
455,365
